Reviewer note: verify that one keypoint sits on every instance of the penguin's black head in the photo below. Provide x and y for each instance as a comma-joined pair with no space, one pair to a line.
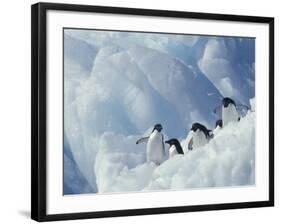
201,127
219,123
172,141
157,127
197,126
176,143
226,101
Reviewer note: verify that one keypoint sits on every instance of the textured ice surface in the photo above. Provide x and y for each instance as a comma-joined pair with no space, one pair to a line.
227,160
117,85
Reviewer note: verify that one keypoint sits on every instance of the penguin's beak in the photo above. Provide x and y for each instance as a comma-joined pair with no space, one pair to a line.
167,142
225,104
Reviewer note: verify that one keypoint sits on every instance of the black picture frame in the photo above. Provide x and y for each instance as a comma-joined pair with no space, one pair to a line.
39,108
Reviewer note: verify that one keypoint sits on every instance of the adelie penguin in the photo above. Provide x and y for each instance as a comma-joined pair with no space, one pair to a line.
218,127
175,147
200,136
219,123
155,148
229,111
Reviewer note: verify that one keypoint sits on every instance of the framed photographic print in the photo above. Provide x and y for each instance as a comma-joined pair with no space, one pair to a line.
139,111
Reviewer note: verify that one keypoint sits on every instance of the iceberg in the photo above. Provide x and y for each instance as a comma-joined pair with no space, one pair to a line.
117,85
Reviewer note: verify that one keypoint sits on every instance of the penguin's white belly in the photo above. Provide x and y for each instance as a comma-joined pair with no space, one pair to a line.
172,151
199,139
154,150
229,114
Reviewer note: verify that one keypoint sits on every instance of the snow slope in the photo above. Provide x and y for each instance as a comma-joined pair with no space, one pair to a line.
118,85
227,160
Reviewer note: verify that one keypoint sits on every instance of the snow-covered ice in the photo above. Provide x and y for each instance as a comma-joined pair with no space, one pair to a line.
118,85
227,160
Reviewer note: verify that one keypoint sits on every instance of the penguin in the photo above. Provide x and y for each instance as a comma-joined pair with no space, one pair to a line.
219,123
175,147
218,127
155,148
229,111
200,136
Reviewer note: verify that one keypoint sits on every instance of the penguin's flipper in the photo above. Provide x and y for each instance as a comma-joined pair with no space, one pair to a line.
190,144
163,145
142,140
179,150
